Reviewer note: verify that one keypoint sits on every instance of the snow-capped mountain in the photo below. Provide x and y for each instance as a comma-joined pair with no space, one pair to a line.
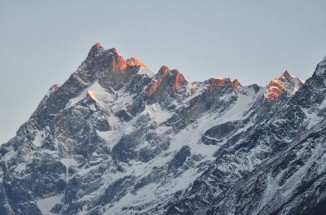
118,138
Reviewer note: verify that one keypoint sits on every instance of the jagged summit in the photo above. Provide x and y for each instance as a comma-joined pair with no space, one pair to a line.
163,70
98,45
286,83
97,50
166,78
287,75
178,78
111,70
276,86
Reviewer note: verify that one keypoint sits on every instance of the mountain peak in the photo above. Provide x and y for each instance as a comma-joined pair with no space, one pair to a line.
133,61
98,45
165,78
236,83
286,83
321,68
114,51
163,70
287,75
95,50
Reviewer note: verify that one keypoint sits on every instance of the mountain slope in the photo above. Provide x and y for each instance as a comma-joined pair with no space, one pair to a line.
293,182
280,130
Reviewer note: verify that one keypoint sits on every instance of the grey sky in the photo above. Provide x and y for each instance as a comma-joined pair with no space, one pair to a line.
43,42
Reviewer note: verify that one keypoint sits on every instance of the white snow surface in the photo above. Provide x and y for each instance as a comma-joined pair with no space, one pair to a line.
39,136
145,71
94,91
157,113
46,204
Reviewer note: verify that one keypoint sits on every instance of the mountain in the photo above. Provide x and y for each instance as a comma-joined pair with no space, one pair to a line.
118,138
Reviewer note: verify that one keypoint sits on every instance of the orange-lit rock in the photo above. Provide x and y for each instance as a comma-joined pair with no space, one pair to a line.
154,87
166,76
133,61
193,89
284,83
118,64
163,70
179,81
92,94
159,78
215,83
275,89
98,45
236,83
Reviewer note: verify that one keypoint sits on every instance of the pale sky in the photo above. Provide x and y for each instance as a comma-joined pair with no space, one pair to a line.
43,42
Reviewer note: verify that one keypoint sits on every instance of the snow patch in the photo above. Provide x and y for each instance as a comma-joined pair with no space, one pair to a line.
157,113
39,137
312,117
148,72
96,92
68,162
45,205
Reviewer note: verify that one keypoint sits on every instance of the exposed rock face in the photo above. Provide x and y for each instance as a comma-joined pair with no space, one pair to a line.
284,84
133,61
116,138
